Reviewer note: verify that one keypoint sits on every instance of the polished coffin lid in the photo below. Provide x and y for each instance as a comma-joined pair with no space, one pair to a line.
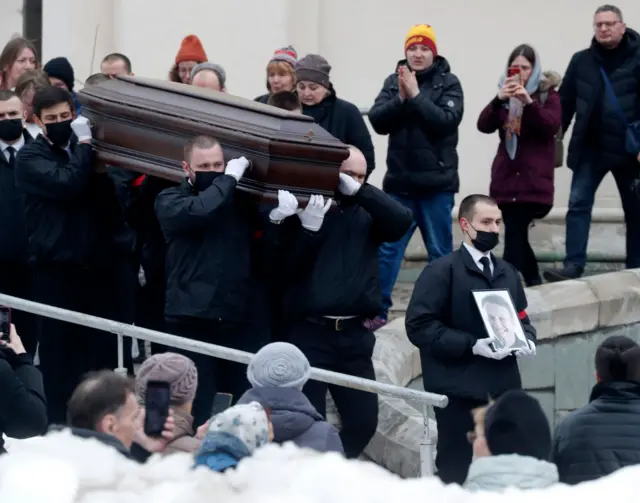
143,124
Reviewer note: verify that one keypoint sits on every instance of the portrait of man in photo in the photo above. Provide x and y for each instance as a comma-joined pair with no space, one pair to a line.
501,320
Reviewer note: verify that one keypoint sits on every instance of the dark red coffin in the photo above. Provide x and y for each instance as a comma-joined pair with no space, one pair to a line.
143,124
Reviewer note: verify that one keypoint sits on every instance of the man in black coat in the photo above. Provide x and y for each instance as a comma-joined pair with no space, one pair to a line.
69,219
23,409
215,254
334,286
604,435
420,107
15,274
444,322
598,140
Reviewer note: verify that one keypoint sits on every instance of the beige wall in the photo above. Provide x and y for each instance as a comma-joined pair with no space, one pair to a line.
362,39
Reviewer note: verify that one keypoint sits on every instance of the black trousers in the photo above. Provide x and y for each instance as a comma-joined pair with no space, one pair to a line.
454,452
68,351
16,280
517,218
348,351
217,375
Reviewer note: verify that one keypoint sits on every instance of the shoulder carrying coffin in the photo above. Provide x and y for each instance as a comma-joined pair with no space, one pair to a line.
143,125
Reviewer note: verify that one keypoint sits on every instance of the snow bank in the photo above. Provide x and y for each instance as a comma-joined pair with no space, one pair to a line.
64,469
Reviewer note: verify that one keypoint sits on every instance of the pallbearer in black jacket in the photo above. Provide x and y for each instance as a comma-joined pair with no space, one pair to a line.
15,277
444,323
335,287
69,243
213,259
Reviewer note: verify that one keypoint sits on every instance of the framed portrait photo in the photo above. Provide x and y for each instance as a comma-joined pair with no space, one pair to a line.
500,319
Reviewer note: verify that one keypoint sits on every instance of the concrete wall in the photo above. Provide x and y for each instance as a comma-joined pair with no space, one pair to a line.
573,318
362,39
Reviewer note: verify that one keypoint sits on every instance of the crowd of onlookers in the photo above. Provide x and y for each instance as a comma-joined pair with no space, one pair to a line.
339,304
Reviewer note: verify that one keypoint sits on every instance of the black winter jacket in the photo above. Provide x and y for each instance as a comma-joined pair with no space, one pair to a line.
422,155
210,264
597,128
444,323
343,120
23,409
335,271
13,237
141,216
601,437
70,212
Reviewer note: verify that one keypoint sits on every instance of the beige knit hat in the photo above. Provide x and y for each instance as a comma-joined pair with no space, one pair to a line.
178,370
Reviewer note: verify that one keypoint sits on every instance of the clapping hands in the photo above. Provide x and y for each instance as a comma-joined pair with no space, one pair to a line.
407,83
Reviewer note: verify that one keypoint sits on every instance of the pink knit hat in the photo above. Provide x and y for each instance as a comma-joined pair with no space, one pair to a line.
178,370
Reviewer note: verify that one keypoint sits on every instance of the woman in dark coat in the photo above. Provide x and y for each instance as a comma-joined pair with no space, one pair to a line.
339,117
527,115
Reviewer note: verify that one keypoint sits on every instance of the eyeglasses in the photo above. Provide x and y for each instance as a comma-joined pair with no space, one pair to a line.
605,24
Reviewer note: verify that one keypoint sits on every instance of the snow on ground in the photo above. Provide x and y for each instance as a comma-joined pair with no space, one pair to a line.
64,469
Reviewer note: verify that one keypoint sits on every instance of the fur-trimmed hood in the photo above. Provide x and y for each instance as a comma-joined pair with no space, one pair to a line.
549,80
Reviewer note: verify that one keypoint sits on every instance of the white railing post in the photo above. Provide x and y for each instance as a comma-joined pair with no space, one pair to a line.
426,444
122,370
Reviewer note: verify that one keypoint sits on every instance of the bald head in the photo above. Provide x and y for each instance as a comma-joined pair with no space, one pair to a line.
208,79
355,165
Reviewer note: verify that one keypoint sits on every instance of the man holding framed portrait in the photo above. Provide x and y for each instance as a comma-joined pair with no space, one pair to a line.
467,315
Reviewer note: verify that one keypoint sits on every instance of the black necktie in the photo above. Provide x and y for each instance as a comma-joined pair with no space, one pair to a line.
486,267
12,156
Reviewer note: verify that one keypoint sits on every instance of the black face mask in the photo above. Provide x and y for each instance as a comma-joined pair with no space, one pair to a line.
485,241
204,179
59,133
10,129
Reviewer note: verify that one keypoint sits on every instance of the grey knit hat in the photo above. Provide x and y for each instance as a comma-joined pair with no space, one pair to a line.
217,69
279,365
313,68
178,370
287,54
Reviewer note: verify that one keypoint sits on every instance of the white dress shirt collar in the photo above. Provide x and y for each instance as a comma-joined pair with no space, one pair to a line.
17,146
476,255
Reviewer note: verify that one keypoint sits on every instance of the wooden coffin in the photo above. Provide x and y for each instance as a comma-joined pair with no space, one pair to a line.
143,124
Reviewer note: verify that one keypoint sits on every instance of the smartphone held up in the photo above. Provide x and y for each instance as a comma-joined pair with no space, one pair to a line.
157,403
514,73
5,324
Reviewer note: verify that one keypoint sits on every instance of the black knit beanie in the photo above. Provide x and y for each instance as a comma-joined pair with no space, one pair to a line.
516,424
60,68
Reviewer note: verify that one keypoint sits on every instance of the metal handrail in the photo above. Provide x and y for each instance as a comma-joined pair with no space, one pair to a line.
122,329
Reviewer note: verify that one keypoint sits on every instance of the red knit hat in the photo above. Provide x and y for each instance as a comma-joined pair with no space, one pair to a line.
191,50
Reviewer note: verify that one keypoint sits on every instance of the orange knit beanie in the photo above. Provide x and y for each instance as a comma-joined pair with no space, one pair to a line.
191,50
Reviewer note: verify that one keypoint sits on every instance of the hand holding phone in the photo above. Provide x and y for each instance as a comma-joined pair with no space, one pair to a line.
514,73
157,402
510,84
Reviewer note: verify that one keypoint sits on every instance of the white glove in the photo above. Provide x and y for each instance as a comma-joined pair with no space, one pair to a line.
81,128
236,168
347,185
313,215
287,206
482,347
524,352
